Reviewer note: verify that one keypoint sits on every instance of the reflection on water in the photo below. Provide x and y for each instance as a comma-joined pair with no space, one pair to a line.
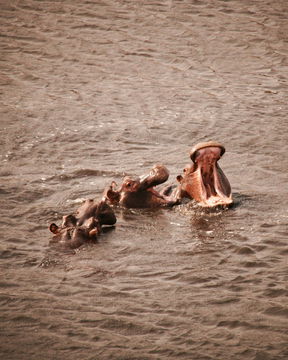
93,91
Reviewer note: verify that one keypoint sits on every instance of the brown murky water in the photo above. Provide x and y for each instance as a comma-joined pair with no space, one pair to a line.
91,90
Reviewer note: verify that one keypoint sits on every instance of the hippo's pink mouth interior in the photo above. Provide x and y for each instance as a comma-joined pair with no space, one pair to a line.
210,185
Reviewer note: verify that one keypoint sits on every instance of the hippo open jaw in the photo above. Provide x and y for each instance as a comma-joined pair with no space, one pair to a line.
157,175
204,180
139,192
212,188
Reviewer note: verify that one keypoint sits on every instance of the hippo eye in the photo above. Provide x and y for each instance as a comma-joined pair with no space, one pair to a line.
128,184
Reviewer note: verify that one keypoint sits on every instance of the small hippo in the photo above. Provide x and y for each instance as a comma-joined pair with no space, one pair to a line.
139,192
84,225
204,181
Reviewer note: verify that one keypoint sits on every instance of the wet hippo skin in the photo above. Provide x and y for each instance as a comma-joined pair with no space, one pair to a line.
83,226
204,180
139,192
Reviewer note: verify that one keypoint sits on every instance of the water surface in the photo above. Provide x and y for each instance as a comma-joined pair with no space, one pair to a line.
93,90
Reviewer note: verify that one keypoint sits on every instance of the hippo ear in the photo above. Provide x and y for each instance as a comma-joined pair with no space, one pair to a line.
113,196
179,178
54,228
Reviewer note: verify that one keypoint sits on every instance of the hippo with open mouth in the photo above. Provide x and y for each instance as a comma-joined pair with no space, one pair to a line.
84,225
139,192
204,180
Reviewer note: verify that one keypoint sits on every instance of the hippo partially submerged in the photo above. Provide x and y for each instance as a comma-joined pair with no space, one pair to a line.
84,225
139,192
204,180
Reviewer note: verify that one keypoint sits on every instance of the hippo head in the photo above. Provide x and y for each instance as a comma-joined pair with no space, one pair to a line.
139,192
83,226
204,180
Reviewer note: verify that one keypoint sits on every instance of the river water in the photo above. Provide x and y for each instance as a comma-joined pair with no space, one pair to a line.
93,90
